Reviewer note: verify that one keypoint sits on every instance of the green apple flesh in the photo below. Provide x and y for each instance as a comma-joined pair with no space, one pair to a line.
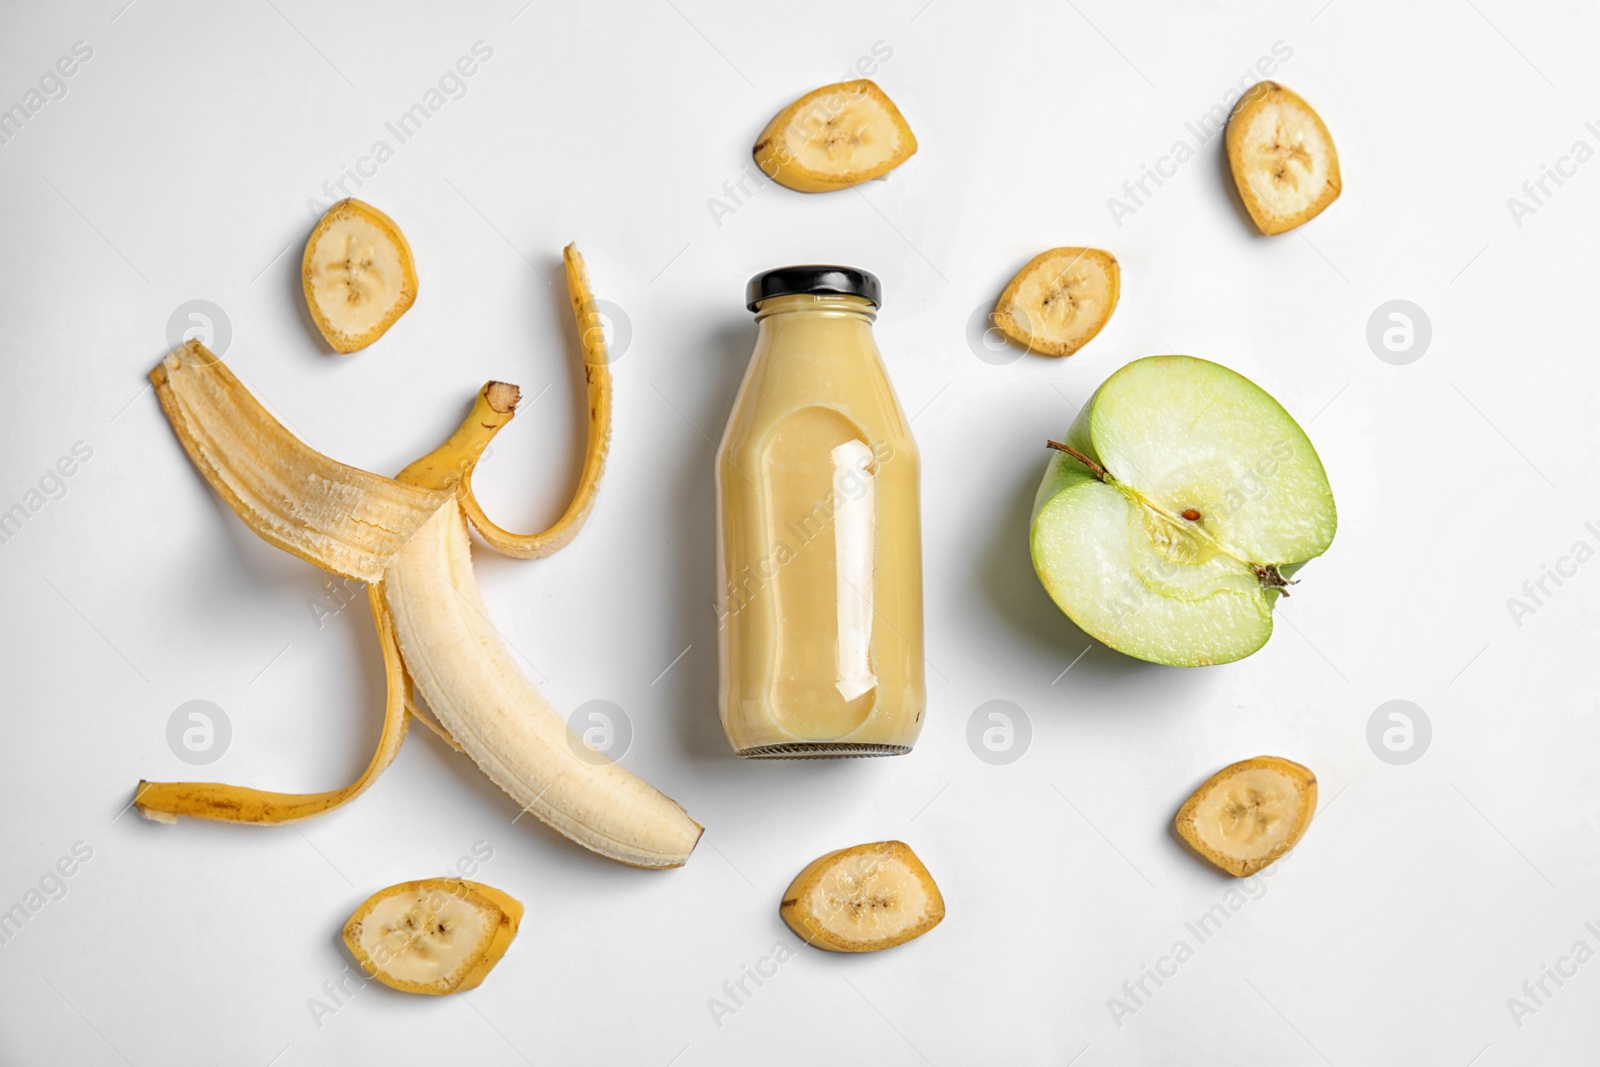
1191,496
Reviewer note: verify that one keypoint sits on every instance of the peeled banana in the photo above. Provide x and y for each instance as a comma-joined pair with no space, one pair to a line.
407,537
1060,300
483,701
835,137
1247,815
435,936
863,899
1282,157
358,275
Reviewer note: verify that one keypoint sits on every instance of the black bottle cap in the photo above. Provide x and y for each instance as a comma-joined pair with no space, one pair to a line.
786,281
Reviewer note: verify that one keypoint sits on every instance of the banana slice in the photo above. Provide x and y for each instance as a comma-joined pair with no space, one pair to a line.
1282,157
1060,300
863,899
435,936
835,137
1249,814
358,275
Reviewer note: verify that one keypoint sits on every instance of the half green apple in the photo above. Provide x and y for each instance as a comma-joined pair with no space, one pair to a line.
1173,515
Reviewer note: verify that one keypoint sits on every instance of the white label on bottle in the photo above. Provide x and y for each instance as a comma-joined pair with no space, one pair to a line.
855,519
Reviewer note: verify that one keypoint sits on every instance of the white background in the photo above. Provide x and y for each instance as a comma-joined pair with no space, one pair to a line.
178,167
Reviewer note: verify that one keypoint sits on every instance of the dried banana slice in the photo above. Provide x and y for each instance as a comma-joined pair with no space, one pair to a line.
835,137
435,936
1282,157
863,899
1249,814
358,275
1060,300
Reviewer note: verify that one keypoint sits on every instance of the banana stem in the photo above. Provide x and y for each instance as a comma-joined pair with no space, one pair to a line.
597,379
449,465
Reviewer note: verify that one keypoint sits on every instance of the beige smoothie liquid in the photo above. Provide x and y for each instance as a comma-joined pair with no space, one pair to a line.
819,541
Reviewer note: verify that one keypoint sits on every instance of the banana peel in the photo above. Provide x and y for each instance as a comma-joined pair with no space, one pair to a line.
337,517
597,383
166,801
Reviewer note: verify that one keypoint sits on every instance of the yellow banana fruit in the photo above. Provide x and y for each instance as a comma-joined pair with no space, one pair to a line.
408,538
483,701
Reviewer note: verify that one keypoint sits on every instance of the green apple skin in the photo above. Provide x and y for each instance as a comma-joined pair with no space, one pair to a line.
1207,496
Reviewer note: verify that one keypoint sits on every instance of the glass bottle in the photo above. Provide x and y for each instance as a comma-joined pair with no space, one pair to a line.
819,543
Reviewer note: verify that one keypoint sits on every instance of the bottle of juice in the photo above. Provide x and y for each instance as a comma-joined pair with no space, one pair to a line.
819,535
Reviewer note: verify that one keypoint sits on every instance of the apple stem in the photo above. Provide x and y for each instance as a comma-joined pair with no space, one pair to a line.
1271,578
1094,468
